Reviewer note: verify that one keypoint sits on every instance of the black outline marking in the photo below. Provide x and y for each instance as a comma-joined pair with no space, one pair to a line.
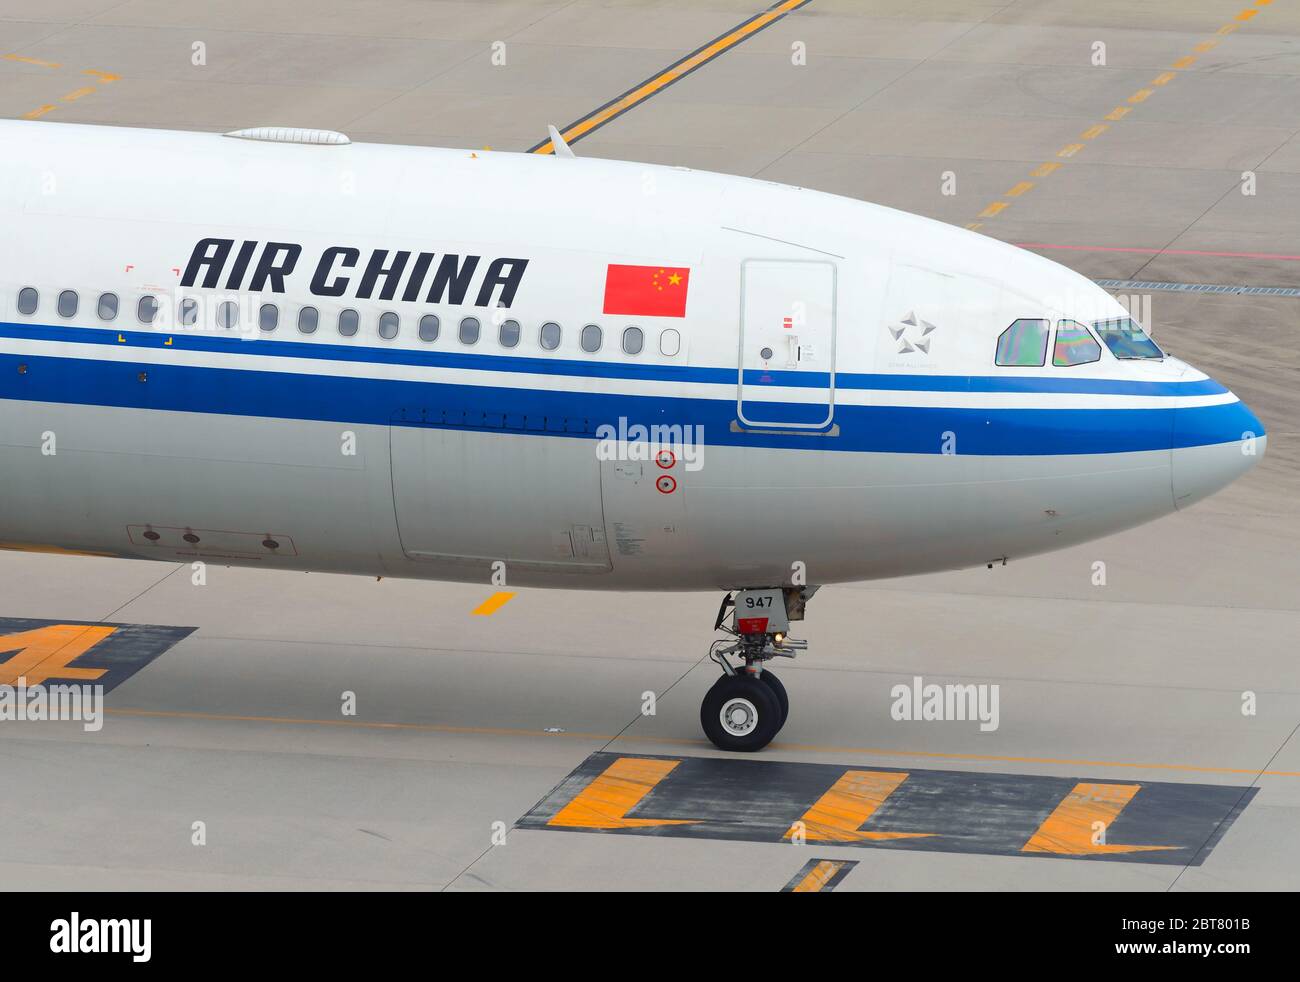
121,655
964,812
836,878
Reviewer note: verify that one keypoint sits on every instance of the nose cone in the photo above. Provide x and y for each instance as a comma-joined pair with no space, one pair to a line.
1213,445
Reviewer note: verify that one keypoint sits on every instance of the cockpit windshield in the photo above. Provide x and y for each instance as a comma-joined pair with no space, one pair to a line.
1126,339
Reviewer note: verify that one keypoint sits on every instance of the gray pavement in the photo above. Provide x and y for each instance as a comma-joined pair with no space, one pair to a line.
463,721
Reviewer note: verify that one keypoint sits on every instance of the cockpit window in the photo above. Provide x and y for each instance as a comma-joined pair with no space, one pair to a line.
1023,344
1126,339
1074,345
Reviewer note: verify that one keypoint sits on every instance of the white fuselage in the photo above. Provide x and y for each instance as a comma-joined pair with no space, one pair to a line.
827,390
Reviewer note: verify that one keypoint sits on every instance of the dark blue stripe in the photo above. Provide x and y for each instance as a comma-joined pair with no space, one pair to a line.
603,369
236,392
1232,422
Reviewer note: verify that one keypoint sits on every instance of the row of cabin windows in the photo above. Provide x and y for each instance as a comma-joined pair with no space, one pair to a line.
590,338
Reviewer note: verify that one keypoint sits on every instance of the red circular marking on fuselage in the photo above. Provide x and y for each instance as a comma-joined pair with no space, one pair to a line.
666,484
668,455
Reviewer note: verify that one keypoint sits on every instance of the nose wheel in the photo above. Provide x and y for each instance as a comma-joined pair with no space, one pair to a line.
741,713
778,690
746,708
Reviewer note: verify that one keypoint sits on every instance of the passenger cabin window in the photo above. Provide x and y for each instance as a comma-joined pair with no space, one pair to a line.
633,340
187,312
308,320
469,328
349,320
68,303
590,338
28,299
147,309
388,325
429,327
1074,345
509,334
1023,344
670,342
268,317
1126,339
549,336
227,314
107,306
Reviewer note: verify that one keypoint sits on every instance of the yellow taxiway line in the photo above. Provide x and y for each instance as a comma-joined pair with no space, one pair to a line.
678,70
683,741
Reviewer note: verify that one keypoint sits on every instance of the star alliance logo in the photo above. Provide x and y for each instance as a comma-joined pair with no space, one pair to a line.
913,334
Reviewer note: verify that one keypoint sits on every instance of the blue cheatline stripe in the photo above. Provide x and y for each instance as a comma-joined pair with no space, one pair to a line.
518,364
894,429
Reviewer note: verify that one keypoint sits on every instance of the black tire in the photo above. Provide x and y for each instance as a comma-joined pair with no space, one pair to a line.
752,711
778,690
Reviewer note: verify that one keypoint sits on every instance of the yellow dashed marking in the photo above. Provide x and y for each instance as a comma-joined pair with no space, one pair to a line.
974,225
493,603
839,814
818,876
605,802
32,61
1081,818
74,95
48,652
1116,114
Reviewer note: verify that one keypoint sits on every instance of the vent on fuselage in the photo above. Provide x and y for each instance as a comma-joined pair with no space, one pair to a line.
291,134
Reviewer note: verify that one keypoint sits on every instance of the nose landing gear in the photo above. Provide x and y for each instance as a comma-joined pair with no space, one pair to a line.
740,713
748,705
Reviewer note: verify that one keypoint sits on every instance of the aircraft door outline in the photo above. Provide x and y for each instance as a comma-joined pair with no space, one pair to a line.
787,337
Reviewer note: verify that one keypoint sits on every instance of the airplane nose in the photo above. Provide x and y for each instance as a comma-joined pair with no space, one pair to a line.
1212,447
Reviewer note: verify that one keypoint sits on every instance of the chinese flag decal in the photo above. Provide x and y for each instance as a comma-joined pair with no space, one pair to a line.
646,291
